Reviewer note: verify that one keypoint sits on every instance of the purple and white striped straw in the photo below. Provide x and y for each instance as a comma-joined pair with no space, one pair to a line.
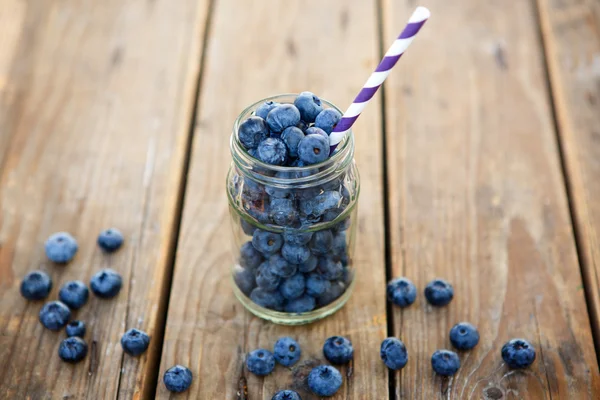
416,21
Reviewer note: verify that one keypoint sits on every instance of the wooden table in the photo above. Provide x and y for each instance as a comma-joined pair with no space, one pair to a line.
480,163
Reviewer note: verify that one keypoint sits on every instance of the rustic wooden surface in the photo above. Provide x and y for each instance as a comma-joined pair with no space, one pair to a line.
97,121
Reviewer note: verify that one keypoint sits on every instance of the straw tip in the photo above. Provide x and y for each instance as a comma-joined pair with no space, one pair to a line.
420,14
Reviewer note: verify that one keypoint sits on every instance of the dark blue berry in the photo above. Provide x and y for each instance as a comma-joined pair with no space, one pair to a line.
297,238
74,294
73,349
402,292
247,227
329,268
61,247
75,328
106,283
252,132
340,245
295,254
316,285
518,353
281,267
266,279
313,149
308,266
286,395
272,151
245,280
263,110
266,242
268,299
338,350
291,137
260,362
309,106
178,379
445,362
439,292
302,125
464,336
36,285
313,130
252,190
293,287
283,212
135,342
287,351
321,242
302,304
258,209
279,192
324,380
328,119
336,290
110,240
249,256
283,116
393,353
54,315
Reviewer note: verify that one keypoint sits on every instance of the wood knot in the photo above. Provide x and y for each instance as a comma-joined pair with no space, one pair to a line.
493,393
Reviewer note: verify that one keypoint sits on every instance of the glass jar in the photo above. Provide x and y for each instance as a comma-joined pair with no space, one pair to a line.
294,231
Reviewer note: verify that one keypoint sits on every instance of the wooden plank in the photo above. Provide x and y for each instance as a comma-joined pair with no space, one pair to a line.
326,47
571,32
97,99
477,197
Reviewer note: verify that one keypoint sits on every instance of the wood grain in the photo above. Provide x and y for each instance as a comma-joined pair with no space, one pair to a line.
96,102
256,49
477,197
571,32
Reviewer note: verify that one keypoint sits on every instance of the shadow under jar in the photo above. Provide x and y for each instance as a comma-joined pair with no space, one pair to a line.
294,231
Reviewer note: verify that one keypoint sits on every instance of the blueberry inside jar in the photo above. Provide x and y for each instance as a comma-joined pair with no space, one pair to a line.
293,209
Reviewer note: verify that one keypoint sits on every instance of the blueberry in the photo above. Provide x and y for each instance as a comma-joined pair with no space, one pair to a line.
276,191
324,380
439,292
313,130
309,106
267,299
283,212
292,136
518,353
336,290
247,227
73,349
263,110
61,247
281,267
316,285
340,245
74,294
252,190
54,315
272,151
249,256
401,291
286,395
258,209
338,350
321,242
326,201
330,269
308,266
313,149
445,362
75,328
36,285
106,283
260,362
302,125
302,304
252,132
110,240
293,287
135,342
245,280
266,242
266,279
295,254
177,379
328,119
287,351
283,116
393,353
464,336
297,238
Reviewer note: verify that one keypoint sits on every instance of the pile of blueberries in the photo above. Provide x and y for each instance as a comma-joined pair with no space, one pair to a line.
297,270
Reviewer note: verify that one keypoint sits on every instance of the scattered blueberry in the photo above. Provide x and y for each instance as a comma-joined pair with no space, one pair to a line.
283,116
272,300
393,353
308,266
74,294
73,349
110,240
61,247
297,238
321,242
272,151
266,279
252,132
295,254
324,380
263,110
135,342
249,256
245,280
401,291
518,353
439,292
287,351
291,137
281,267
309,106
328,119
260,362
178,379
293,287
75,328
54,315
313,130
317,285
36,285
302,304
106,283
464,336
286,395
267,242
445,362
313,149
338,350
283,212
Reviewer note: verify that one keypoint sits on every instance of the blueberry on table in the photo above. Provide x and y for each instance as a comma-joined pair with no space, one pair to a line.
309,265
330,269
297,238
135,342
401,291
518,353
250,257
263,110
266,242
36,285
292,136
110,240
106,283
54,315
178,379
74,294
313,149
337,289
253,131
439,292
293,287
75,328
283,116
464,336
321,242
245,280
272,151
268,299
286,395
61,247
309,106
295,254
266,279
317,285
281,267
393,353
73,349
287,351
260,362
445,362
338,350
324,380
302,304
313,130
328,119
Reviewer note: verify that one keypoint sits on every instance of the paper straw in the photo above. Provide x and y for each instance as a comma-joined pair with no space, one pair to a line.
416,21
